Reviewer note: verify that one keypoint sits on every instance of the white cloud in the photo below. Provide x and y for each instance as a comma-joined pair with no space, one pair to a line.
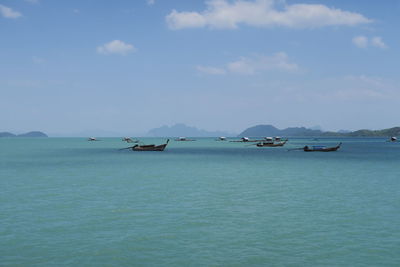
150,2
375,82
253,65
116,47
364,42
246,65
9,12
222,14
378,42
211,70
242,66
360,41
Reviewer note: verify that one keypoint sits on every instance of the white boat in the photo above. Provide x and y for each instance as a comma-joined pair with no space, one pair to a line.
184,139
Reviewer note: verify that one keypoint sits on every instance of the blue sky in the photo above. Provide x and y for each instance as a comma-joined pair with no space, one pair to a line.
129,66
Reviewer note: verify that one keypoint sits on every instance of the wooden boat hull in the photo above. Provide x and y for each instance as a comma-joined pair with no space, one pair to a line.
271,144
327,149
150,147
245,141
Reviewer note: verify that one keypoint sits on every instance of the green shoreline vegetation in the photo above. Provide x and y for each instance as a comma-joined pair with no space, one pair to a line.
269,130
395,131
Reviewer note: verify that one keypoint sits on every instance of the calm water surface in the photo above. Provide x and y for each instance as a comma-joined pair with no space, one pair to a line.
66,201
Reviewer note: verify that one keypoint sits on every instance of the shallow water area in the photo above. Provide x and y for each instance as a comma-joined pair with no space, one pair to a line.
67,201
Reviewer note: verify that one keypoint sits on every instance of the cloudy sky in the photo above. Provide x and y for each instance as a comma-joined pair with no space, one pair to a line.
129,66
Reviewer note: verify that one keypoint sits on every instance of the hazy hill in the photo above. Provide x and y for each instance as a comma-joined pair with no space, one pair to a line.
29,134
395,131
7,134
184,130
269,130
33,134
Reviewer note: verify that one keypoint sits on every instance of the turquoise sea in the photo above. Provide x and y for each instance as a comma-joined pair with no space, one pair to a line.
69,202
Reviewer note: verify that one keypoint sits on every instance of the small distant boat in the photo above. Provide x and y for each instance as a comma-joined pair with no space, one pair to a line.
184,139
148,147
393,139
129,140
265,140
321,148
271,144
243,139
92,139
222,138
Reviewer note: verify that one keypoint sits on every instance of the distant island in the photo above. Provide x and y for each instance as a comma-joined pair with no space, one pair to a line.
269,130
181,129
29,134
395,131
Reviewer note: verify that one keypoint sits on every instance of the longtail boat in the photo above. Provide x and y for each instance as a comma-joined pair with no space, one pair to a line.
317,148
244,140
129,140
184,139
148,147
321,148
271,144
266,140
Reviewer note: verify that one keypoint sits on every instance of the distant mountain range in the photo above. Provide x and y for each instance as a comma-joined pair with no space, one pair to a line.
395,131
29,134
180,129
269,130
